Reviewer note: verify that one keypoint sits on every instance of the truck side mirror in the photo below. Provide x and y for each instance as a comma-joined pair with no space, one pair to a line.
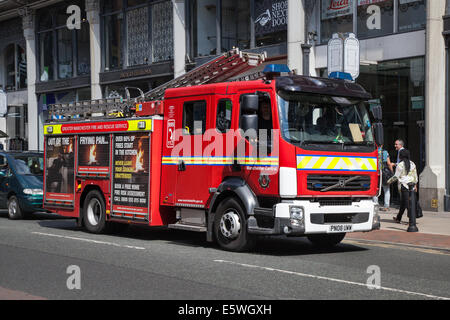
249,104
379,133
377,112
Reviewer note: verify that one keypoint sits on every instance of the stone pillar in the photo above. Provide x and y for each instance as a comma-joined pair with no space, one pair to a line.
432,179
179,38
93,16
28,18
295,35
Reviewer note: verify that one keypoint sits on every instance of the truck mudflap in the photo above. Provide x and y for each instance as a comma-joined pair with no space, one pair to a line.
303,217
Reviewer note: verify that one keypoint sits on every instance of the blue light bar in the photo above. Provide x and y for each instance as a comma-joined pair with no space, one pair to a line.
276,68
340,75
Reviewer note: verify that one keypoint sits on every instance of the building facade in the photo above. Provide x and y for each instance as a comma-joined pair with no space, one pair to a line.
122,46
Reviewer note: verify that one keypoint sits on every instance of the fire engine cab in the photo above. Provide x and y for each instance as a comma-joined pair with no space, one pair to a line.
279,155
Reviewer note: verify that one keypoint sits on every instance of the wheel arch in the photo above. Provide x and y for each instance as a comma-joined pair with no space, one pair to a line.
231,187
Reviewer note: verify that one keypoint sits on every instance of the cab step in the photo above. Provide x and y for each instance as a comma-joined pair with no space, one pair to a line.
187,227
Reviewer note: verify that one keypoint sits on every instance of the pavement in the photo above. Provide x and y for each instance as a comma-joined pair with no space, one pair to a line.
434,231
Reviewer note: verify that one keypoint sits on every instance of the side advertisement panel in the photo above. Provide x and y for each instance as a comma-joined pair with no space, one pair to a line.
131,175
60,164
93,154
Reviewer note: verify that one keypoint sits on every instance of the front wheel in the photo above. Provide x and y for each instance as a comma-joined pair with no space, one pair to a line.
326,240
230,227
94,212
14,210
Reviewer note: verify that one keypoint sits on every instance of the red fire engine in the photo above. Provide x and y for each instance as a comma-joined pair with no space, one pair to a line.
184,156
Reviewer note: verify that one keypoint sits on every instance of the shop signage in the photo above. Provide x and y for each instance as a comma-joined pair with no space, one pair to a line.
336,8
271,16
344,55
367,2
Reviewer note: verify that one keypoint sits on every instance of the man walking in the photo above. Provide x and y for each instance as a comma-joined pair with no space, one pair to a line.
399,145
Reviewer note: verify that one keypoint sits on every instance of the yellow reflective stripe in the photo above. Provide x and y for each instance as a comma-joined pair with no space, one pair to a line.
304,162
333,163
319,163
336,163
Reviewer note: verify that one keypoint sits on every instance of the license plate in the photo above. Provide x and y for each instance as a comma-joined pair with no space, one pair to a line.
339,228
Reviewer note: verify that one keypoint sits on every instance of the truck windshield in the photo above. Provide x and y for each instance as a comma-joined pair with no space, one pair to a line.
317,119
33,165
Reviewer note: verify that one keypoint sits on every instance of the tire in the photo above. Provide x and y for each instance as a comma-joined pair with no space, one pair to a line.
14,210
230,227
326,240
94,212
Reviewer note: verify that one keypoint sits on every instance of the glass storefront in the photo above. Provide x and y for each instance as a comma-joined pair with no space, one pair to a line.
370,18
375,18
270,18
235,29
62,53
15,67
136,33
336,17
411,15
17,128
399,85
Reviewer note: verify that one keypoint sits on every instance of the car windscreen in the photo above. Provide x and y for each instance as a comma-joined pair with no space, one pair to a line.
31,164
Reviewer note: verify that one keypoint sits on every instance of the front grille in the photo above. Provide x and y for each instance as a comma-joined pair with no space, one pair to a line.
322,182
320,218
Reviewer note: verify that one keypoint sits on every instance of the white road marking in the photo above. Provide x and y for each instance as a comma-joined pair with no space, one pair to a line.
89,240
332,279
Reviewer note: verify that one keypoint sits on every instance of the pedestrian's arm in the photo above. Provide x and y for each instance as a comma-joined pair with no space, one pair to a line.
390,164
398,172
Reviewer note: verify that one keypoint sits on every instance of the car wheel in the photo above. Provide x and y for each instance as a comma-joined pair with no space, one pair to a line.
230,227
326,240
94,212
14,210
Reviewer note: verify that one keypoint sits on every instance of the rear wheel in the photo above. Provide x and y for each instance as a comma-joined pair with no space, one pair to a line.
230,226
326,240
14,210
94,212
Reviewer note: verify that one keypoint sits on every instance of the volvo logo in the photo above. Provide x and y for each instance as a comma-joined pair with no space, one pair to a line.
342,183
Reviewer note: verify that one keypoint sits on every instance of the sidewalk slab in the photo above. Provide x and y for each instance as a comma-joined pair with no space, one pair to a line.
405,238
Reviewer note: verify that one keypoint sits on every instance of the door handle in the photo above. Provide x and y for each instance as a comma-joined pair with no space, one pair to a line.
181,166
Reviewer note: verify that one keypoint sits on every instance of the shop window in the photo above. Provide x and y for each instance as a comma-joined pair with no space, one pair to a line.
194,118
162,31
336,17
62,51
137,36
270,22
204,27
17,128
411,15
46,63
224,112
113,41
110,6
15,67
64,45
83,47
235,24
375,18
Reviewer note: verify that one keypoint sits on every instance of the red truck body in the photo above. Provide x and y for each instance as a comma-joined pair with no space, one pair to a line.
175,163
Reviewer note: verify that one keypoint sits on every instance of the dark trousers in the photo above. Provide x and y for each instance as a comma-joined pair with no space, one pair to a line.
404,203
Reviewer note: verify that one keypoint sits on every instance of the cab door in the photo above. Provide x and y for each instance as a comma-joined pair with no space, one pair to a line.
193,178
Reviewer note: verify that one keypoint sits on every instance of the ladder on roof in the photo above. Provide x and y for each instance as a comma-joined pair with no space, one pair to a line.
222,68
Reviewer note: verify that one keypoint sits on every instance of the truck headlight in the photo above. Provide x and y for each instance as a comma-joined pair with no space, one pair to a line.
33,192
297,215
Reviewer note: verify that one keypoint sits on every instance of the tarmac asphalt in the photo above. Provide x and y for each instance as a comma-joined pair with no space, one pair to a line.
434,230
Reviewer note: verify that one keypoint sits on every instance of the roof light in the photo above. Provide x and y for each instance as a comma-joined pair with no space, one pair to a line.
341,75
275,70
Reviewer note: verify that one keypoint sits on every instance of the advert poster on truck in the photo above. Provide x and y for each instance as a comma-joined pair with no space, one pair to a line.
60,163
93,154
131,174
